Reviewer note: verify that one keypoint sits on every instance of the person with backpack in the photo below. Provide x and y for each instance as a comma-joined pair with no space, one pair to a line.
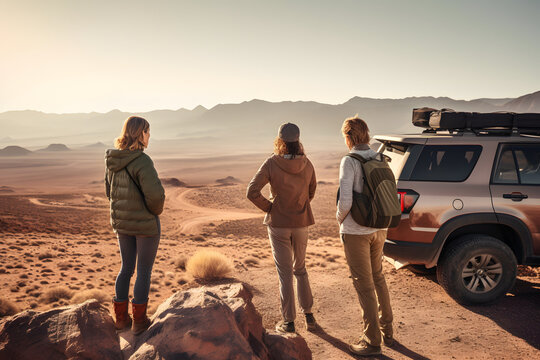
136,199
288,215
363,242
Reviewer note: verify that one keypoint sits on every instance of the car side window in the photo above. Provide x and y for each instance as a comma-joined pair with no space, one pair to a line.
528,160
518,164
446,162
506,168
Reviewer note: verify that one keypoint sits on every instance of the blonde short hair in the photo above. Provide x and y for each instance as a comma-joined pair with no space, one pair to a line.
355,131
131,137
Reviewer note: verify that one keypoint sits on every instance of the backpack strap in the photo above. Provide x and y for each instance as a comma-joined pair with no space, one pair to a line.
367,182
357,157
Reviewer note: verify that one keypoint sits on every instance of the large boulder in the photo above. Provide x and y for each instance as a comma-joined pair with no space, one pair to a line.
84,331
194,324
211,322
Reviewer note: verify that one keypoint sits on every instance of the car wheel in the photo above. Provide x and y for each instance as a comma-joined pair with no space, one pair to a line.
477,269
421,269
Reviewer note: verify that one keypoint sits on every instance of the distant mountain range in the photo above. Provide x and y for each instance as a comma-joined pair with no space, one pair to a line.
252,123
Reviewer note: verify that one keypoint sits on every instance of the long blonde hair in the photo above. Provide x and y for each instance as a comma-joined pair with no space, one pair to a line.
131,137
355,131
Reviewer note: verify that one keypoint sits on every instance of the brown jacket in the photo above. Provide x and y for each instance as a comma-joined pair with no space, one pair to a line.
292,186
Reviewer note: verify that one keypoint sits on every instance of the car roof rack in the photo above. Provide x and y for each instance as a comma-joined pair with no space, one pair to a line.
459,122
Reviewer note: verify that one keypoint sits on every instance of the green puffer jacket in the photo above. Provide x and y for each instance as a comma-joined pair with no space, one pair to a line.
129,214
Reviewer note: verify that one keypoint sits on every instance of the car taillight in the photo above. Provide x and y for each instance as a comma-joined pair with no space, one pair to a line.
407,199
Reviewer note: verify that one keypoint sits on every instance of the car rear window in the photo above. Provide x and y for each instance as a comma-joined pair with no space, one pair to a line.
398,154
446,162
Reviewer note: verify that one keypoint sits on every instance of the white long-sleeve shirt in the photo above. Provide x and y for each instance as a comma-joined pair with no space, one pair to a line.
350,178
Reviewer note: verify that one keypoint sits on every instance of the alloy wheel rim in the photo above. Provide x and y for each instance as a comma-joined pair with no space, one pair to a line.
482,273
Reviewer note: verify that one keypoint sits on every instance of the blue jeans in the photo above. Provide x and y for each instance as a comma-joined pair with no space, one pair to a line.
140,250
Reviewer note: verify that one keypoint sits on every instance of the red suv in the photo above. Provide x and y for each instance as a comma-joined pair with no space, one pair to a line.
470,203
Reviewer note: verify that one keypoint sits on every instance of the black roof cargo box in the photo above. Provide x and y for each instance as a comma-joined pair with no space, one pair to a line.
447,119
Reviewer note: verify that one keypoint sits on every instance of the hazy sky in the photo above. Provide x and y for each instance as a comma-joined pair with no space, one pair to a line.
90,55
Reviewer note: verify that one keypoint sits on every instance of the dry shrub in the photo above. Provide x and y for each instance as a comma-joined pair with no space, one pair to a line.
180,262
7,308
56,293
209,265
84,295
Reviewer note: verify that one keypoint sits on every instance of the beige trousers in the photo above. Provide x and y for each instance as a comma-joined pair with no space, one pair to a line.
289,251
364,255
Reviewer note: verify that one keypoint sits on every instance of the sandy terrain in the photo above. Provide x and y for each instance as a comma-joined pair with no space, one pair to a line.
55,232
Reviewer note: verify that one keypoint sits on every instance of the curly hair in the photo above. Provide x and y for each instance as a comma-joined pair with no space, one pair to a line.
355,131
131,137
288,148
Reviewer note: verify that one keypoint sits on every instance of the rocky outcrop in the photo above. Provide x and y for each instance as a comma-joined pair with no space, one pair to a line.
194,324
84,331
209,322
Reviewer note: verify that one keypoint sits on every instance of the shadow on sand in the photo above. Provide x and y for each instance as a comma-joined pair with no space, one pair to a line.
518,312
339,344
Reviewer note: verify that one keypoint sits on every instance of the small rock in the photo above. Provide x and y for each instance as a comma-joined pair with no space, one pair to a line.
287,346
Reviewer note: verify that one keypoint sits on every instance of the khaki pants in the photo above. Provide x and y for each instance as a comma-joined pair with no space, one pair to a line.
364,255
289,251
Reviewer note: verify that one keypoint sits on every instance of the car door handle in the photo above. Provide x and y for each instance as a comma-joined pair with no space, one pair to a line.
515,196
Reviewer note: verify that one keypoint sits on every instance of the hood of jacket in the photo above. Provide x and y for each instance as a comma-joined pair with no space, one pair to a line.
291,166
116,160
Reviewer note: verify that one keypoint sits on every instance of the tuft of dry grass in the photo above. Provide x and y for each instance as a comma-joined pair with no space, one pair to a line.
7,308
209,265
99,295
55,294
180,262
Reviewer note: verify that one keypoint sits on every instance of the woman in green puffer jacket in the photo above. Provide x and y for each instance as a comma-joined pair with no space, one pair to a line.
136,199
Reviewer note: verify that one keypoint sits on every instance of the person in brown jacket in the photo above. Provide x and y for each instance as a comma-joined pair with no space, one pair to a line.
288,215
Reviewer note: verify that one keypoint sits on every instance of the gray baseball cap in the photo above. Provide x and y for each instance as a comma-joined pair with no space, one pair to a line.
289,132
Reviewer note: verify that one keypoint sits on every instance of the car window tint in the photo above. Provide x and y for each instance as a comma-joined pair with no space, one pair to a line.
446,163
506,168
528,160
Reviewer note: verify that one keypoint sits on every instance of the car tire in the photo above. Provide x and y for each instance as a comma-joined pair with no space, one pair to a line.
477,269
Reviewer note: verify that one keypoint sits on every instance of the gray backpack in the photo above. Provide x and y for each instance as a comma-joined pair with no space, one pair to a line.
377,206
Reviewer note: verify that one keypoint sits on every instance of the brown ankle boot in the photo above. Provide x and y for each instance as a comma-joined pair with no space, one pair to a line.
122,319
140,321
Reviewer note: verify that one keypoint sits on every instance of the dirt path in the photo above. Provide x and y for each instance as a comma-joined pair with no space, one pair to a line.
56,204
195,217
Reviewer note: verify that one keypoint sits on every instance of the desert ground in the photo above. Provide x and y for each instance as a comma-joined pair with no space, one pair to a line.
57,247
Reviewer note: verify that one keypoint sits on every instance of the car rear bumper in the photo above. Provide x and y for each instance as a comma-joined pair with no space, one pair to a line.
411,252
